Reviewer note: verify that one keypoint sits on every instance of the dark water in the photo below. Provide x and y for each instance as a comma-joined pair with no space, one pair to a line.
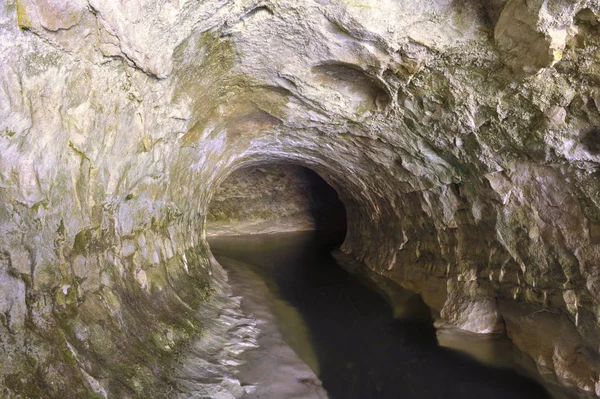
362,350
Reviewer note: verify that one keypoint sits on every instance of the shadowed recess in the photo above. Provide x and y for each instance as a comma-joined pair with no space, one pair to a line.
277,197
359,91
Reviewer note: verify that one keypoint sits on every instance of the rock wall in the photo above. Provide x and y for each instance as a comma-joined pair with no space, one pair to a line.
463,138
274,198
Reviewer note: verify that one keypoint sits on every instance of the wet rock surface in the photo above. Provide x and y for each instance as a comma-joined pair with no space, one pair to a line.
348,332
273,369
462,138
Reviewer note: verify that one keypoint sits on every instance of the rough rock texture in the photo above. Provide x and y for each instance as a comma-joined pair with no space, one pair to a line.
462,136
274,198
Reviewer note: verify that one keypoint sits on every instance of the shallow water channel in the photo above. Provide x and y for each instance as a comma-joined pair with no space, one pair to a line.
344,329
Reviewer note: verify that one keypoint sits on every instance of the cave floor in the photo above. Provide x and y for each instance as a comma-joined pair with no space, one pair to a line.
345,333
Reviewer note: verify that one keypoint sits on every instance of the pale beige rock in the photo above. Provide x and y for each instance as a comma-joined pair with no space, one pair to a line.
463,138
53,15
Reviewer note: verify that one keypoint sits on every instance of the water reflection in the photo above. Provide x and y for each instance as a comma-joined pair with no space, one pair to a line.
362,350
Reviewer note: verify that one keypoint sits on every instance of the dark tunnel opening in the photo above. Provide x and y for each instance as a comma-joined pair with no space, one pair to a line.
337,321
328,211
276,198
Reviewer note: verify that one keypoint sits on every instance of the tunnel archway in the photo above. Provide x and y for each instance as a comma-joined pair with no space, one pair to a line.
347,333
275,197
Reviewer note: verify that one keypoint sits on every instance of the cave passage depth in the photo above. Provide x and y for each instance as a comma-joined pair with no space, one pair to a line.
336,321
451,148
274,198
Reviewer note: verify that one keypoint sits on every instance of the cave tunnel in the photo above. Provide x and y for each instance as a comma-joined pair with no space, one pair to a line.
276,197
186,186
273,228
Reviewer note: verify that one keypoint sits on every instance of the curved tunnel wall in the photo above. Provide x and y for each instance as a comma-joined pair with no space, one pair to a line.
360,208
458,244
463,148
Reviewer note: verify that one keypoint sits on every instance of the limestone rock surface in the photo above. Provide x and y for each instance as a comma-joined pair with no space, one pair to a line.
462,136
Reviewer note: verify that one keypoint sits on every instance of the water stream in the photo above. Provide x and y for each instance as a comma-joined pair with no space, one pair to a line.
349,335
